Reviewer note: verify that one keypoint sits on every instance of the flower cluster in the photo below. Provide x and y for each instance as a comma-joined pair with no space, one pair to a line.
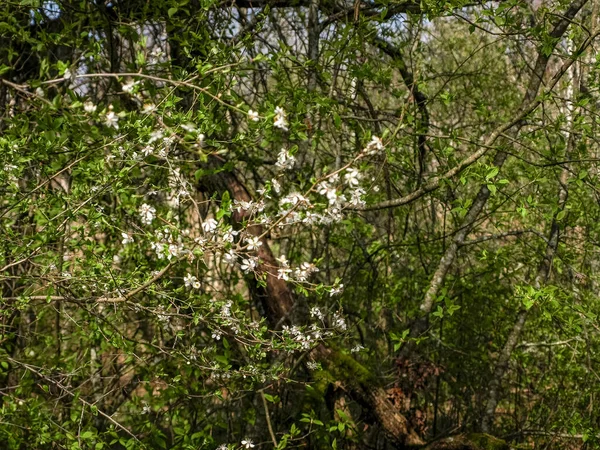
191,281
167,246
285,160
374,147
304,338
280,119
147,214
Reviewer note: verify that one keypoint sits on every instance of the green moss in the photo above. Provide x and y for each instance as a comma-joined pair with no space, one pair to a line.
487,442
346,368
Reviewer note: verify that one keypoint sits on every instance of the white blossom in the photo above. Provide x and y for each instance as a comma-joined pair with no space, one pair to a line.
210,225
356,197
357,348
159,248
39,92
147,214
89,107
280,121
240,205
189,280
68,75
294,198
352,177
127,239
312,365
283,261
155,136
248,264
276,186
247,443
253,116
128,87
189,127
352,90
253,242
304,271
230,257
226,309
316,312
148,108
229,235
339,322
174,250
285,160
283,273
336,290
112,119
374,146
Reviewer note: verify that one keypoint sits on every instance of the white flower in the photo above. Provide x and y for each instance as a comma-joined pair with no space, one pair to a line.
248,264
324,188
352,90
68,75
253,116
336,290
200,140
304,271
216,335
283,273
294,198
357,348
148,108
316,312
312,365
189,127
374,146
147,150
189,280
283,261
253,243
128,87
127,239
279,121
89,107
352,177
240,205
247,443
230,235
174,250
230,257
39,92
226,309
276,186
147,213
210,225
112,120
339,322
155,136
356,198
285,160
